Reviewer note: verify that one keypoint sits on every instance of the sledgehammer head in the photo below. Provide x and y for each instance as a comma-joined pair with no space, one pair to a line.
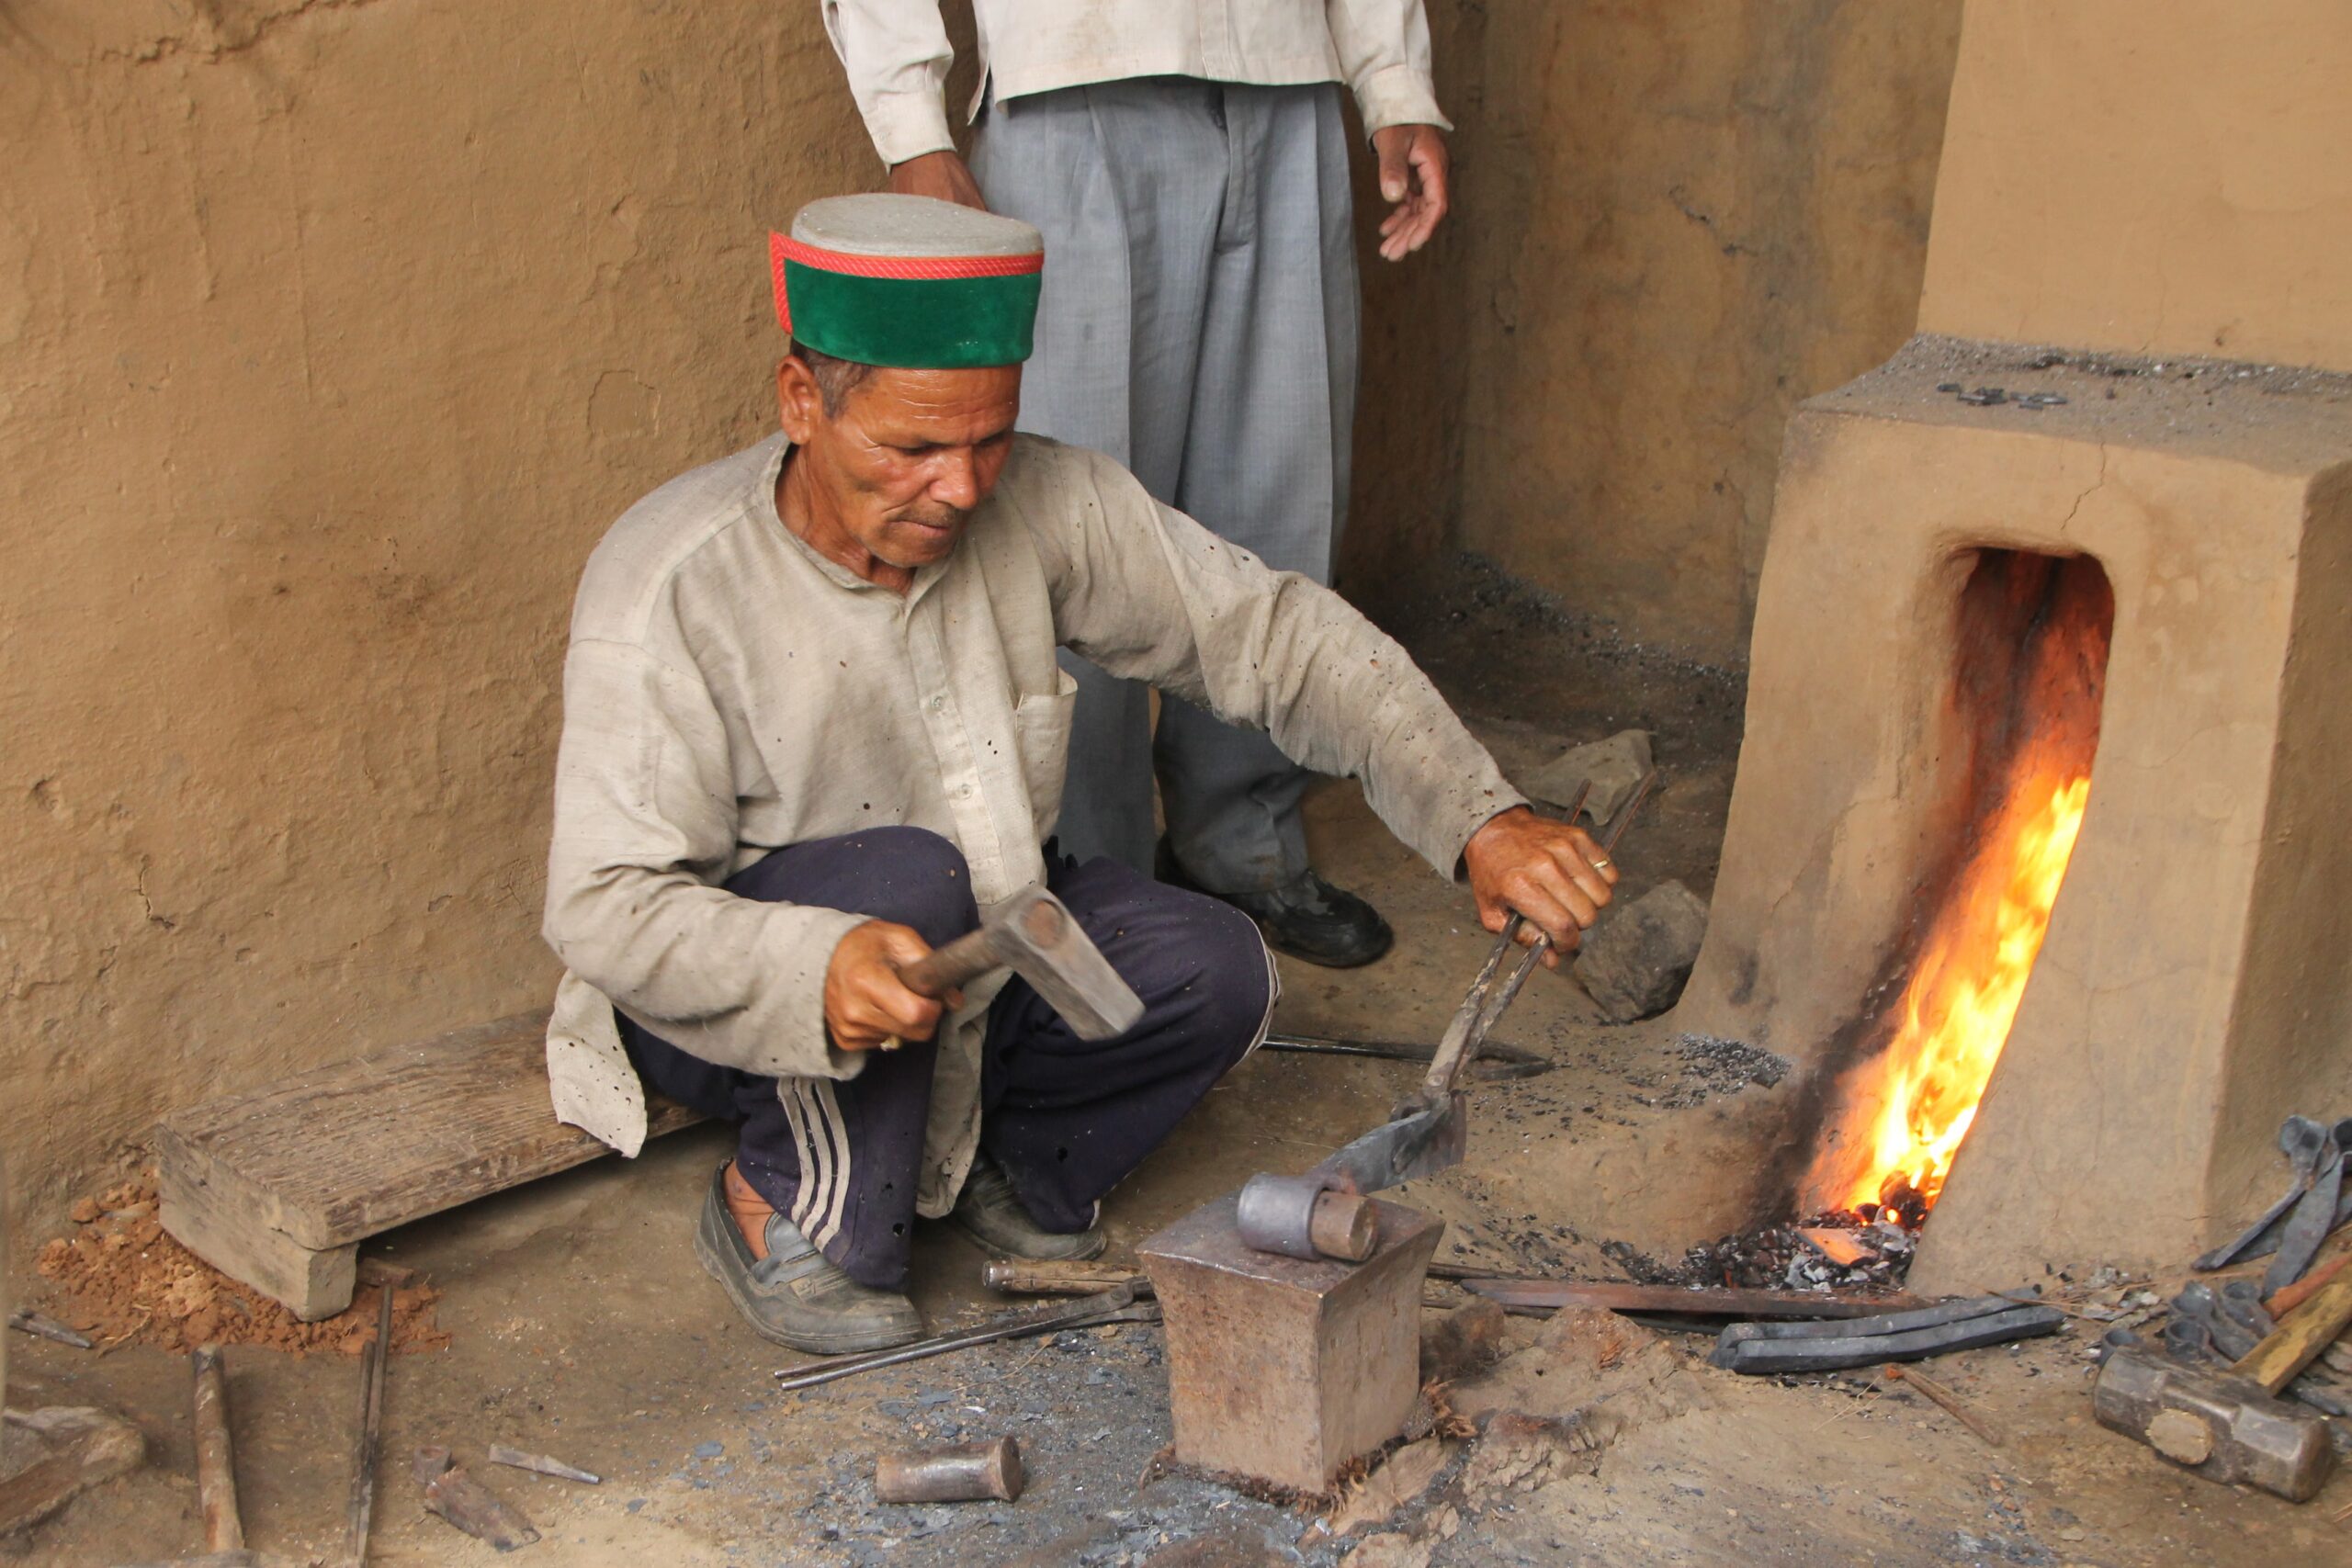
1037,937
1033,934
2226,1428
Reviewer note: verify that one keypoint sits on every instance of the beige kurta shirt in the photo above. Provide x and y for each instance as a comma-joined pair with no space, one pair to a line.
729,692
896,55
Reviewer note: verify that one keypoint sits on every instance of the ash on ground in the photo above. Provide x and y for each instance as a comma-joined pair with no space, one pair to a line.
1711,1065
1783,1257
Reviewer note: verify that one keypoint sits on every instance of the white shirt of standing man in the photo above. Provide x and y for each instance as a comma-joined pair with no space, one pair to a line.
896,56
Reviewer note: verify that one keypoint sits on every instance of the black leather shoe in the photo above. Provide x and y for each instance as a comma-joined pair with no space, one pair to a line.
795,1295
989,1212
1310,919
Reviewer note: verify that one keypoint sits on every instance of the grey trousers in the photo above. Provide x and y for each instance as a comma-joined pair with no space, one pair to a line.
1198,323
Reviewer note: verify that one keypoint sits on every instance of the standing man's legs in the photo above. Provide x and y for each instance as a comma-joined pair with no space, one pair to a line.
1118,324
1199,324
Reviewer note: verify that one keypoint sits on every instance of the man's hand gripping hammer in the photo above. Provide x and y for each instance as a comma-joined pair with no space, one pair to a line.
1033,934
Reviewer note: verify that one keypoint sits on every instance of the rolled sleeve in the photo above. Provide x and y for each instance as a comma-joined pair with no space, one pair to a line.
1384,52
895,55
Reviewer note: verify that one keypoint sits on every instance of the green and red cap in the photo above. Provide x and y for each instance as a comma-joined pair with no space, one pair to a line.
909,282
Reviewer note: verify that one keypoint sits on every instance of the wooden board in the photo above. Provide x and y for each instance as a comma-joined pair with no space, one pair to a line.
343,1153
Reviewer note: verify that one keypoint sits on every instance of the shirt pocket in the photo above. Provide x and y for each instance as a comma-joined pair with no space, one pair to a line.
1040,729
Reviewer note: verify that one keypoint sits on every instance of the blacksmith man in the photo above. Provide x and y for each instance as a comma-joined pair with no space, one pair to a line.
813,723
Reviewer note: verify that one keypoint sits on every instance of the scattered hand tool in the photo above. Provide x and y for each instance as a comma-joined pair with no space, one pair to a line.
1117,1304
969,1473
2230,1426
539,1464
216,1473
2304,1143
24,1320
368,1440
468,1503
2311,1218
1961,1325
1033,934
1021,1276
1321,1213
1496,1063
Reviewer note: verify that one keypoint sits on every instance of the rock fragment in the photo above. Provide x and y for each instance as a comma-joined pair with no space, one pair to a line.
1612,767
1634,962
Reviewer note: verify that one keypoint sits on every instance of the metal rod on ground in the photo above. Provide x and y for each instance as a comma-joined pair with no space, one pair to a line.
1954,1406
369,1440
24,1320
1501,1061
216,1473
540,1464
1116,1306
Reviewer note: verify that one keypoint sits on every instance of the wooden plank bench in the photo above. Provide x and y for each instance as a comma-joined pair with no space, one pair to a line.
278,1188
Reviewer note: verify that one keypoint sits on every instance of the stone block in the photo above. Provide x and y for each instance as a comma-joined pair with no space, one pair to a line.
1612,767
1635,960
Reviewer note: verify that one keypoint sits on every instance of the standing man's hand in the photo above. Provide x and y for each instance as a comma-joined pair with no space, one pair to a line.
1413,172
940,176
1548,872
865,1002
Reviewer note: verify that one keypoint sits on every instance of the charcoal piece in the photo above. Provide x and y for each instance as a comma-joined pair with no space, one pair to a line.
1635,961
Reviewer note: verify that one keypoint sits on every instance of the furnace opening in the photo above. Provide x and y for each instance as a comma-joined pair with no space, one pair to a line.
2031,640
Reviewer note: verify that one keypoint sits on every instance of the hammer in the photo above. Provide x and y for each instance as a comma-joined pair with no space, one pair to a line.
2230,1426
1033,934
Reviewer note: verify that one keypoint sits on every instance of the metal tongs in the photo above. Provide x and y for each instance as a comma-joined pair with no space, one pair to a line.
1427,1131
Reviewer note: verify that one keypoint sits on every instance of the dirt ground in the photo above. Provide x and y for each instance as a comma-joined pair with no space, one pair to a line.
580,1325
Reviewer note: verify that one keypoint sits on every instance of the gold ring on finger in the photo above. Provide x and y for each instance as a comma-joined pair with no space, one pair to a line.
1603,864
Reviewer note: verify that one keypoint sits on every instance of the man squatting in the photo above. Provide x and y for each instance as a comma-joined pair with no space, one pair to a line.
814,724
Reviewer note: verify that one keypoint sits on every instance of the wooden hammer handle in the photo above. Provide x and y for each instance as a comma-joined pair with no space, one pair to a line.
2300,1336
942,969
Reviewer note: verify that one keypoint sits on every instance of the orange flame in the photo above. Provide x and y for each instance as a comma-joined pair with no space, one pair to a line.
1956,1011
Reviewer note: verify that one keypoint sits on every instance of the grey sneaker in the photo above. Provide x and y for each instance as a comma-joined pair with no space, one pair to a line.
991,1213
795,1295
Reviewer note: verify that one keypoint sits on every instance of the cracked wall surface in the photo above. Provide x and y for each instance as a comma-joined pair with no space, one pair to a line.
2151,179
336,333
1674,223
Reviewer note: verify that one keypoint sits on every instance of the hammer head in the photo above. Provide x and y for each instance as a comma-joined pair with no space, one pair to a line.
2226,1428
1035,935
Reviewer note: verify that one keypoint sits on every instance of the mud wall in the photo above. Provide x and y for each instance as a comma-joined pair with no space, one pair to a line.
335,334
2158,179
1675,222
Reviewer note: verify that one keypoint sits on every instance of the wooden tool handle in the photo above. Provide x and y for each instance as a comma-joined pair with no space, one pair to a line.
216,1475
942,969
2300,1336
2289,1297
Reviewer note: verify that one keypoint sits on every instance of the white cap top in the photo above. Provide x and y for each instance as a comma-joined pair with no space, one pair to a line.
885,225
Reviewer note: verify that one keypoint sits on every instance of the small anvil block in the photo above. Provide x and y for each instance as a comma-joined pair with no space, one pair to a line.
1283,1369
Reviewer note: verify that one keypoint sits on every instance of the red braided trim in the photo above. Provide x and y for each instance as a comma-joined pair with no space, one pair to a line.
785,248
